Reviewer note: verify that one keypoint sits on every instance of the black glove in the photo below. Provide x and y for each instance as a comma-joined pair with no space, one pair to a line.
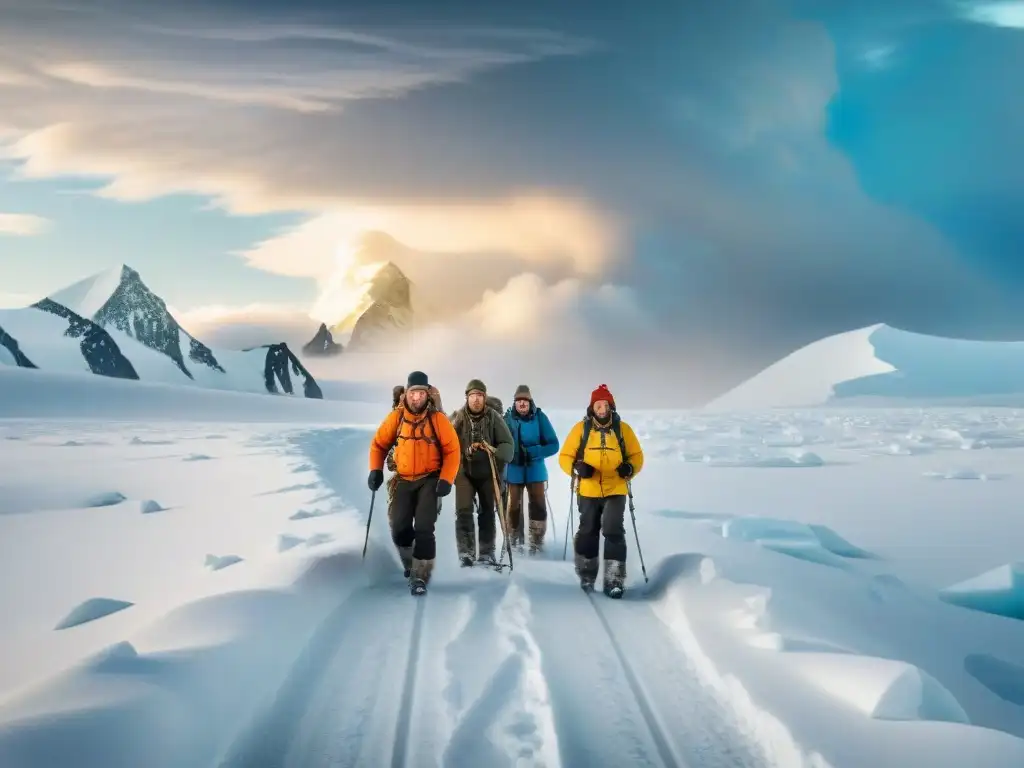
443,488
583,469
376,479
625,470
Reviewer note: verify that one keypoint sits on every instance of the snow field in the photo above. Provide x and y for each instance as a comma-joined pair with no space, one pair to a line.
31,394
798,614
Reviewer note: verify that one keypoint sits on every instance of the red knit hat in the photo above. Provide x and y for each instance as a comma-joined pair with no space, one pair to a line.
602,393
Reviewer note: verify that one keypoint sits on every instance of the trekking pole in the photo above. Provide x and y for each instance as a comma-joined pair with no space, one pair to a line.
568,524
632,515
551,516
369,517
506,544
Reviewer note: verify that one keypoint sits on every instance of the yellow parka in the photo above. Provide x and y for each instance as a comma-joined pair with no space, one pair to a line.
604,455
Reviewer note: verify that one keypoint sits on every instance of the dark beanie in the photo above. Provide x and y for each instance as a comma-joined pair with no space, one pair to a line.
523,393
477,385
417,380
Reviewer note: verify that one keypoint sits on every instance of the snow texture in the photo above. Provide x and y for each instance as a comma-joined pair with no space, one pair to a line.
790,618
885,365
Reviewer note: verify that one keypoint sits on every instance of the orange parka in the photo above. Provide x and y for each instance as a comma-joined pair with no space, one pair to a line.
425,442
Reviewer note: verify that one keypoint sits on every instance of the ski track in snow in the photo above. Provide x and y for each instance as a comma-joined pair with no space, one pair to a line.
496,669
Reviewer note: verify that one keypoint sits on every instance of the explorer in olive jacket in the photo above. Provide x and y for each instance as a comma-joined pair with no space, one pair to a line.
481,430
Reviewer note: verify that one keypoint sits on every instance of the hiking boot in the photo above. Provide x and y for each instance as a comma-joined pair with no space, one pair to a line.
614,578
586,570
405,555
465,542
537,530
420,576
487,558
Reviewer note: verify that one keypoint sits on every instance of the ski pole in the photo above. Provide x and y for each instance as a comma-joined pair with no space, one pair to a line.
632,515
369,517
506,544
568,524
551,516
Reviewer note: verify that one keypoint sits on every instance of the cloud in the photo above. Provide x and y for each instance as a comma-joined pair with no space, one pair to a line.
1008,13
518,333
22,224
523,332
241,327
879,57
184,100
450,251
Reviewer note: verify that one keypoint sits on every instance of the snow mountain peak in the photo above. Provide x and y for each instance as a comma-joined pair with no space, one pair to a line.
383,314
115,309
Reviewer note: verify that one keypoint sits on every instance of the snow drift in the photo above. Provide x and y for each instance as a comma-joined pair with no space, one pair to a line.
112,325
884,364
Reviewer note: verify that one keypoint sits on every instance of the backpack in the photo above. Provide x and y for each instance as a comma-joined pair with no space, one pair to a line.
419,431
616,429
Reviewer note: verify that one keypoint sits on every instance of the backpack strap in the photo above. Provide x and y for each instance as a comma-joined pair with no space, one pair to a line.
437,440
418,431
616,429
584,437
540,426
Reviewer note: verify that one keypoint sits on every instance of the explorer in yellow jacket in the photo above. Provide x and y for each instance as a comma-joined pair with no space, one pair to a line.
601,468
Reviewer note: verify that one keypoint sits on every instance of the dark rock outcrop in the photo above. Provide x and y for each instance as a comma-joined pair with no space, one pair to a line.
322,344
8,341
276,371
99,349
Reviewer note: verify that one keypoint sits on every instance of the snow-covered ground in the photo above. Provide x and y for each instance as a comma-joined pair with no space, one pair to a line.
187,589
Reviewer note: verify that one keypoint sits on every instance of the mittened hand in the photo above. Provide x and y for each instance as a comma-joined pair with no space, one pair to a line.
443,488
583,469
376,479
625,470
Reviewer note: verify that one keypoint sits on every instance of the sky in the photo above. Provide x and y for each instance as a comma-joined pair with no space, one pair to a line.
664,201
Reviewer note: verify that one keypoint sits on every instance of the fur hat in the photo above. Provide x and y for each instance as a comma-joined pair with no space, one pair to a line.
476,385
417,380
522,393
602,393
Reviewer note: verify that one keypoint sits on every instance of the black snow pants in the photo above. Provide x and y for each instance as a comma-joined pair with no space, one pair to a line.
414,516
467,489
601,515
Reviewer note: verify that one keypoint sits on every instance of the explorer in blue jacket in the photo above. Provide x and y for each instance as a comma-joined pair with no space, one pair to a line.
535,440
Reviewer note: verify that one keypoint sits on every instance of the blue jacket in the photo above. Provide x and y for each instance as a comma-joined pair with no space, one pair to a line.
535,440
